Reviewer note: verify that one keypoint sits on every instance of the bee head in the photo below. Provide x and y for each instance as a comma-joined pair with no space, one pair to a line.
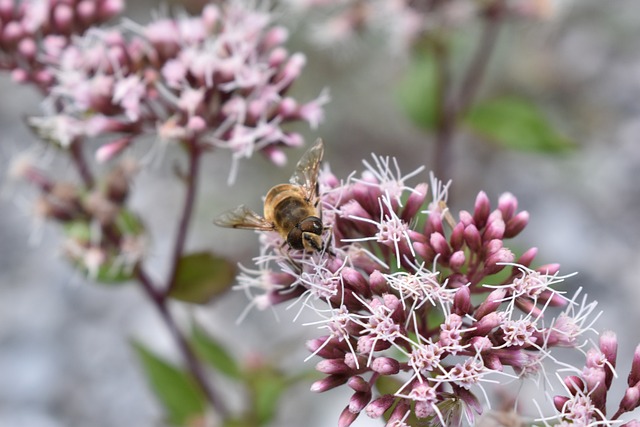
306,235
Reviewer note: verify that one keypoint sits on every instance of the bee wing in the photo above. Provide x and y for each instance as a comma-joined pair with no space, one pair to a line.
306,173
243,217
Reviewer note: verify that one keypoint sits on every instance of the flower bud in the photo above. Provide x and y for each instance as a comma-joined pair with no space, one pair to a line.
462,301
490,304
472,237
634,373
481,209
495,227
440,244
559,402
347,417
631,399
354,279
609,348
359,401
456,239
526,258
357,383
414,202
507,204
378,283
516,224
379,406
385,366
457,260
332,381
487,323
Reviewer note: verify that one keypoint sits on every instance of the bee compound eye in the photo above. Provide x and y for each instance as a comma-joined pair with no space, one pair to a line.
311,224
294,238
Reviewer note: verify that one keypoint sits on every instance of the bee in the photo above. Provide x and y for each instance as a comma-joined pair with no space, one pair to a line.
290,209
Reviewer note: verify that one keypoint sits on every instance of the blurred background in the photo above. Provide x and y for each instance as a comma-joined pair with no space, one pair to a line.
65,358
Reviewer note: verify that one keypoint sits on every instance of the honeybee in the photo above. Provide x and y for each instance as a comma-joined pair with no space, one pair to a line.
290,209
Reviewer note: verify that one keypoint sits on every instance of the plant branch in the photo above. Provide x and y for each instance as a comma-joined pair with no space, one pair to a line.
77,156
453,105
193,364
191,181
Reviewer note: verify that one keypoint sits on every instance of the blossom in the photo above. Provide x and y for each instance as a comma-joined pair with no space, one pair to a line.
407,290
216,80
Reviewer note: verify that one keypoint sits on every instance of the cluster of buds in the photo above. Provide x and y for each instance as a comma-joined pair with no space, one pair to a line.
586,403
215,80
420,309
26,27
103,238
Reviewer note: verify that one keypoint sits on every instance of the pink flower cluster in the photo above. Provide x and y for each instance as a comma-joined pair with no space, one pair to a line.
586,403
219,79
27,26
430,305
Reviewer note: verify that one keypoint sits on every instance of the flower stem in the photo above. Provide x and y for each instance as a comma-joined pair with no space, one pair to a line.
193,364
191,181
77,156
452,105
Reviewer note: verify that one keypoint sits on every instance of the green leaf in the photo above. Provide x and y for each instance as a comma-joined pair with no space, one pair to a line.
128,223
182,399
214,353
516,123
418,92
267,386
388,385
202,276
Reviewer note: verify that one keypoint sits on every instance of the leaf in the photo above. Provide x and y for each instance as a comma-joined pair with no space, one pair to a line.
267,386
388,385
202,276
418,92
214,353
181,397
517,124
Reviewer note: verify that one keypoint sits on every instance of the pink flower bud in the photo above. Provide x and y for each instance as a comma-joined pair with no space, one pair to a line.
358,401
466,218
27,48
277,57
491,303
609,348
354,279
481,344
487,323
440,244
86,10
329,351
526,258
414,202
574,384
508,205
495,227
634,373
385,366
357,383
472,237
112,149
291,70
275,37
632,423
378,283
347,417
19,75
456,239
424,251
462,301
379,406
63,17
288,107
516,224
559,402
332,381
110,8
492,361
594,379
12,32
631,399
481,209
457,260
549,269
210,16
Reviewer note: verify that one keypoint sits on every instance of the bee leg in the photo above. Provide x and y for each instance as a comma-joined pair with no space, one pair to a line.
296,266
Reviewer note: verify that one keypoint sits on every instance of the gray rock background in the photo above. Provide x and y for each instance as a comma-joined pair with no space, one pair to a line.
65,358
